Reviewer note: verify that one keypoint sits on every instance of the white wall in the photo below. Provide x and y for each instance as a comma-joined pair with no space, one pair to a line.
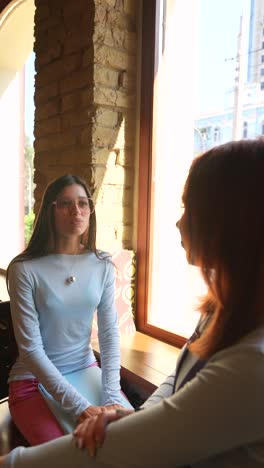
16,44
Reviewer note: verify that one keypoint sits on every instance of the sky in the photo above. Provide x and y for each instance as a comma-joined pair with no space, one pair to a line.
218,28
219,24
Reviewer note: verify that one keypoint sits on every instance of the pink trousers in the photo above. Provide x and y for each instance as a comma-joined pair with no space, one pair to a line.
30,412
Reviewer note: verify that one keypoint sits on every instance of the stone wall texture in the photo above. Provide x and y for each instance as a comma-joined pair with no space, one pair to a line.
85,98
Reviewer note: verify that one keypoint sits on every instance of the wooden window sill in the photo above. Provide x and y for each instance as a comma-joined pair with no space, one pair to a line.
145,361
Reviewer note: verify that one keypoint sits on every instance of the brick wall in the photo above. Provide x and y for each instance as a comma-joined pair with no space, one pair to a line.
85,104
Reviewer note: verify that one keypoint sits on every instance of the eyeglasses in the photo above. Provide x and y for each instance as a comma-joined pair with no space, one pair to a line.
85,205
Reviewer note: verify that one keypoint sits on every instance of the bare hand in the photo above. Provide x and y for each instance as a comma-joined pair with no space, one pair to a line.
91,433
114,407
90,412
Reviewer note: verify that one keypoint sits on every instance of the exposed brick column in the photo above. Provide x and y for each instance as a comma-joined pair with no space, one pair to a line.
85,104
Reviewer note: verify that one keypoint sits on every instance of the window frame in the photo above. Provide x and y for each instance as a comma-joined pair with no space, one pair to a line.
150,35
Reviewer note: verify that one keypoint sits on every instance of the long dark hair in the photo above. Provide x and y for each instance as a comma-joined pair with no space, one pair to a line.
224,197
42,241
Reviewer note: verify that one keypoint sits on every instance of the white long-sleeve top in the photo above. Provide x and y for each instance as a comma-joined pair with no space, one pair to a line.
52,321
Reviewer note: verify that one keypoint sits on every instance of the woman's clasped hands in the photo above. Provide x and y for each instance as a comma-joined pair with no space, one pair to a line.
90,433
96,410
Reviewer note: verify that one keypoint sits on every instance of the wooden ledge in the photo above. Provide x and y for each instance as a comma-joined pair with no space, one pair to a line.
145,361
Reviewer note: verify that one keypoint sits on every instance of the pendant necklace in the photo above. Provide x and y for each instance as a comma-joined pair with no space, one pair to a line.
71,277
69,266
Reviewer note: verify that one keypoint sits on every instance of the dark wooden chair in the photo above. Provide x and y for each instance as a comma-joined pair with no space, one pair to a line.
10,437
8,347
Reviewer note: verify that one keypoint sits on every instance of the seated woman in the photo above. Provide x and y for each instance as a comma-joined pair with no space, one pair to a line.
55,287
211,417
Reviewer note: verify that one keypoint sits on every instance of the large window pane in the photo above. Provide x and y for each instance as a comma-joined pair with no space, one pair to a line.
205,94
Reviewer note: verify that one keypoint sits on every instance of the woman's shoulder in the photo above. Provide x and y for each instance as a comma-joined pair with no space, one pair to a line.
253,341
100,256
105,255
101,261
247,353
19,264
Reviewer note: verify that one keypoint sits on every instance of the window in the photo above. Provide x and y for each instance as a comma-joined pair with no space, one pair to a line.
262,85
163,273
262,127
182,101
262,45
262,59
262,72
217,135
245,130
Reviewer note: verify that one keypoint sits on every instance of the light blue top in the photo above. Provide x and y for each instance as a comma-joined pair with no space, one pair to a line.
52,323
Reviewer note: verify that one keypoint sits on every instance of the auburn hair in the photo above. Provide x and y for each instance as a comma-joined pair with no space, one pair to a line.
224,201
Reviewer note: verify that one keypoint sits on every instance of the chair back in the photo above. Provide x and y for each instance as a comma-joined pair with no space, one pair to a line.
8,347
